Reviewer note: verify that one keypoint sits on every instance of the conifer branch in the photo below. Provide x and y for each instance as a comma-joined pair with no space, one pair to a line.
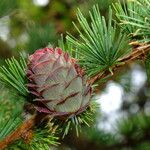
26,129
18,133
139,52
119,56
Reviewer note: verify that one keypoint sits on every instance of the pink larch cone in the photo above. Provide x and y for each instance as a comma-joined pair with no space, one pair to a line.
57,82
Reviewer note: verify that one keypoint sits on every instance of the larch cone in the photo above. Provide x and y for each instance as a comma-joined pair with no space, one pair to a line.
58,84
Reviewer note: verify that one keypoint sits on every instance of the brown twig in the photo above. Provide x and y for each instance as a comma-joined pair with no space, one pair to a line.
137,53
18,133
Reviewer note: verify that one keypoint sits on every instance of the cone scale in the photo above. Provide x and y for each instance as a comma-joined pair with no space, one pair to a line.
58,84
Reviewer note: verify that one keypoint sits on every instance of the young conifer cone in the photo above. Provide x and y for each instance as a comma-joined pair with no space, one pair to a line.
57,82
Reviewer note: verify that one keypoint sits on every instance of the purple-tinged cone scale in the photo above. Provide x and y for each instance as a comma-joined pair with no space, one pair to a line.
58,83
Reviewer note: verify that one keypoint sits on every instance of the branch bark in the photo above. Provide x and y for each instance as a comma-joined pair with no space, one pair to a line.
18,133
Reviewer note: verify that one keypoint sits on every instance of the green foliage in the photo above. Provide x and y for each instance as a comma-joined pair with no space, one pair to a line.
101,45
7,6
99,136
103,4
134,127
14,74
42,139
40,36
9,116
143,146
10,119
135,18
9,125
127,127
67,46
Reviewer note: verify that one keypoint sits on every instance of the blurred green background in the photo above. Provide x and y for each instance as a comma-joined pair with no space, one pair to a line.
123,120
